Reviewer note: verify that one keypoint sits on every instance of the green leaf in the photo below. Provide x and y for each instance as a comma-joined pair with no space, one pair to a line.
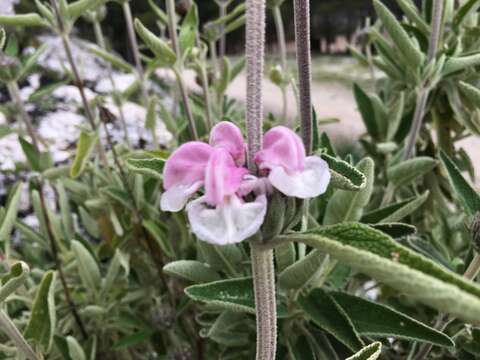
396,116
161,15
408,170
7,222
37,161
370,352
299,274
66,212
395,230
188,29
87,266
347,205
133,339
13,280
156,232
151,167
395,212
78,8
119,260
151,117
367,111
115,60
190,270
468,197
23,20
75,349
459,63
377,320
344,175
408,51
328,315
86,143
464,11
471,92
159,47
31,62
379,256
41,326
234,294
413,14
3,39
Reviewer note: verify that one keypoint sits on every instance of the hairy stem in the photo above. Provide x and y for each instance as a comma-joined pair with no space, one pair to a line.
282,47
223,39
7,325
423,93
263,273
132,38
304,63
262,260
59,266
172,29
63,32
186,102
97,27
255,53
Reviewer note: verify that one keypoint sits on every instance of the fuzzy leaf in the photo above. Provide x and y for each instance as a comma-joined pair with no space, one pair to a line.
75,349
347,205
79,7
379,256
395,212
297,275
23,20
367,111
411,54
87,266
7,222
459,63
86,143
13,280
190,270
408,170
116,61
370,352
234,294
159,47
328,315
344,175
150,167
377,320
468,197
41,326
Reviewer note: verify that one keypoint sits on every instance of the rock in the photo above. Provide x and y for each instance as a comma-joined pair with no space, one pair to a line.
7,7
91,68
122,83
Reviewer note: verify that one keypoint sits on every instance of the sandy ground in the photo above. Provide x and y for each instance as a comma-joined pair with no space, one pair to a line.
332,99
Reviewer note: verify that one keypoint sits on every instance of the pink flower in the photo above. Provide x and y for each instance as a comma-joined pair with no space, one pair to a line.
290,171
220,216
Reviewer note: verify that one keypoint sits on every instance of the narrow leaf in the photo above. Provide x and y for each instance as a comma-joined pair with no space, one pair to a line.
194,271
370,352
85,146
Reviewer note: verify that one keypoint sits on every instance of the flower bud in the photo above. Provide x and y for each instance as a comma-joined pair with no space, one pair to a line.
275,218
9,68
277,76
475,230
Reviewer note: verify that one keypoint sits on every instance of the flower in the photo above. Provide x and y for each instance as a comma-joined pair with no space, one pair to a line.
290,171
221,216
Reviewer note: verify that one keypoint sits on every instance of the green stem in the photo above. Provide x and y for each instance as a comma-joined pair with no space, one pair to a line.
118,102
223,39
132,38
186,103
282,45
15,95
206,95
302,39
